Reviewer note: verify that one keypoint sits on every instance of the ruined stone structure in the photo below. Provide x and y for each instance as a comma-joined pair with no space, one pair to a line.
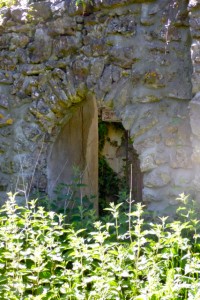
60,64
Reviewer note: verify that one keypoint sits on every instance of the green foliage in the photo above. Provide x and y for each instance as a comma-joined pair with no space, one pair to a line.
109,184
7,3
43,258
83,4
103,132
69,201
108,179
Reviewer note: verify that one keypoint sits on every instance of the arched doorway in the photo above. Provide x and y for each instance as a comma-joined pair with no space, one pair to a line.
74,155
100,151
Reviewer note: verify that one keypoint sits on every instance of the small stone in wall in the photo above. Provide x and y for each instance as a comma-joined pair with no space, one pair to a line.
161,158
5,120
39,12
147,162
6,77
149,99
122,25
147,17
108,115
63,26
18,41
183,178
8,167
196,182
32,69
128,116
19,14
6,132
41,41
147,141
154,79
194,115
150,195
196,155
157,178
143,127
32,131
181,159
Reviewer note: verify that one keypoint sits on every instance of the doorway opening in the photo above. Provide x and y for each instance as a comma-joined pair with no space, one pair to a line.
73,161
95,143
119,165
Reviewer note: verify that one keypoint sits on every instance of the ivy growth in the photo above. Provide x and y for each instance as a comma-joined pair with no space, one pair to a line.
109,184
103,132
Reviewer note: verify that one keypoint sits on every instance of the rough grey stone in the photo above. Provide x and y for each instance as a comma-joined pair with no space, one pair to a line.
6,77
146,123
159,177
19,14
123,56
39,12
4,41
150,195
122,25
183,180
181,158
133,56
62,26
119,94
18,41
128,116
58,7
42,41
147,162
32,132
97,67
146,16
66,45
32,69
146,141
194,114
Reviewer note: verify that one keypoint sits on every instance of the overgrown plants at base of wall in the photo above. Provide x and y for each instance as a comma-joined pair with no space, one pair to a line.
125,258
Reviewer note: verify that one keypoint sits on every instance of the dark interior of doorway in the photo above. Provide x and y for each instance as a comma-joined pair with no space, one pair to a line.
115,148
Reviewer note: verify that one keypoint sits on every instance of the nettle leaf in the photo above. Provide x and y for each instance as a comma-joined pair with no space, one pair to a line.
55,257
45,274
33,278
3,279
41,259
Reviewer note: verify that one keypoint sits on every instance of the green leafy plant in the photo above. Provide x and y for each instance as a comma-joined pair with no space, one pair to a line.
7,3
109,184
42,257
84,4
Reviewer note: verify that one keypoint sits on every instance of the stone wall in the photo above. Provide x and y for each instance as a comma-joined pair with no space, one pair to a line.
131,55
194,11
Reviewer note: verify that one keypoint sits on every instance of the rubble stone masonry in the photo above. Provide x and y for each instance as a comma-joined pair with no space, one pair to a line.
140,57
